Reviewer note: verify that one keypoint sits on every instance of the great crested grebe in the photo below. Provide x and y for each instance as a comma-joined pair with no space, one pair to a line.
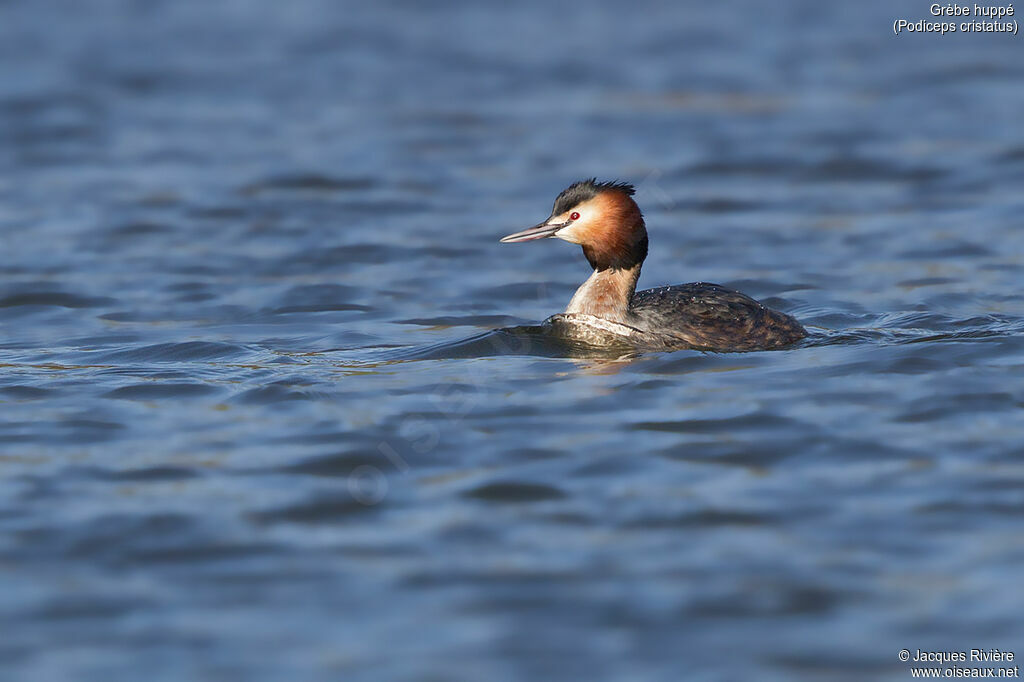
603,218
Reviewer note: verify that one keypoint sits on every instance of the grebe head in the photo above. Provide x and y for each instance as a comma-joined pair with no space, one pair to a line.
599,216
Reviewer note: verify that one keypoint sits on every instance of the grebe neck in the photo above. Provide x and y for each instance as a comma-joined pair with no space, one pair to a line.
606,293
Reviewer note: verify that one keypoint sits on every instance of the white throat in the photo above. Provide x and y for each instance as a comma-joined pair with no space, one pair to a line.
606,294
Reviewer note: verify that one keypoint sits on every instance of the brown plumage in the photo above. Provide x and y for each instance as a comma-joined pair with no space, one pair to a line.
617,238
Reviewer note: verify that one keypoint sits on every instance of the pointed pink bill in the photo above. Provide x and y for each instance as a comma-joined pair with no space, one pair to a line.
541,231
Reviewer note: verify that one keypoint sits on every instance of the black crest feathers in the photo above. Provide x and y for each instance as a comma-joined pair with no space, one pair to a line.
583,190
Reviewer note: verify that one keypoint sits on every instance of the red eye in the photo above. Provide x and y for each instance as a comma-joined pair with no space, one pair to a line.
574,216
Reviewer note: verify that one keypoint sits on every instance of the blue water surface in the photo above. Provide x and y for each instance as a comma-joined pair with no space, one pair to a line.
255,424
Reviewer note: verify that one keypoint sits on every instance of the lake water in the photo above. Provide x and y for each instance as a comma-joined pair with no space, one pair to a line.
254,424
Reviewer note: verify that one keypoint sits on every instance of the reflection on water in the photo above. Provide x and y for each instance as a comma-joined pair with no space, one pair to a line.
274,404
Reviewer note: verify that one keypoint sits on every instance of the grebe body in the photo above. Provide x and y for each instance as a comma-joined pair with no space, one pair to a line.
603,218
